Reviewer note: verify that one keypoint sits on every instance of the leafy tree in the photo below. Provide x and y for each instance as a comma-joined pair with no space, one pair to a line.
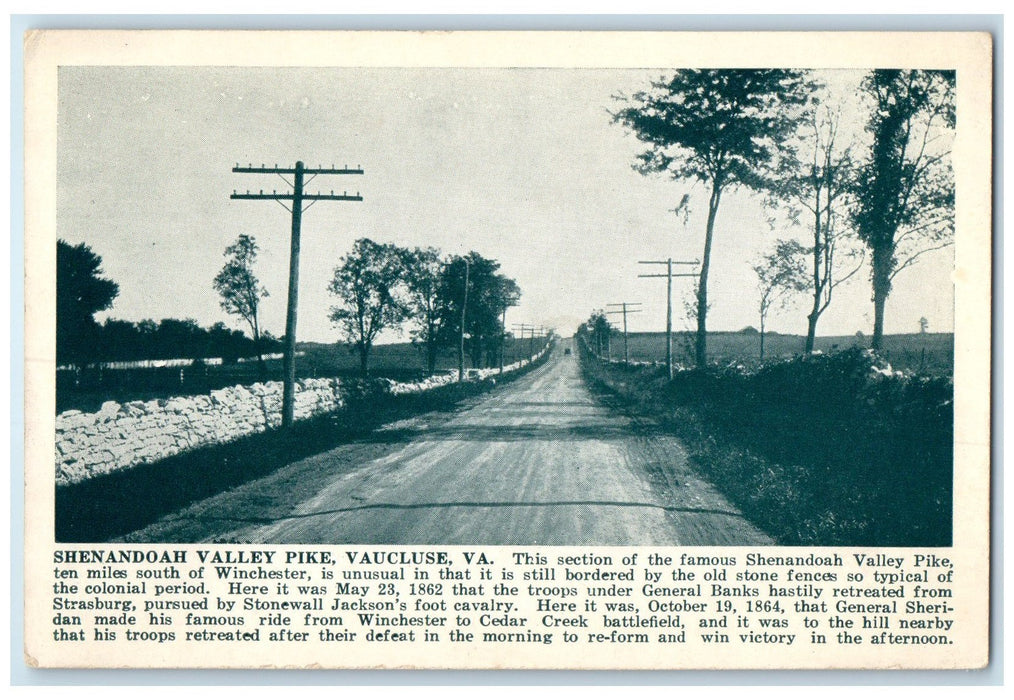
820,185
180,338
368,285
240,289
488,295
724,128
779,276
423,271
81,292
600,330
905,204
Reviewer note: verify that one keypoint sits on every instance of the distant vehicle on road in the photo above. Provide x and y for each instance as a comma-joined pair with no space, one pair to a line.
566,351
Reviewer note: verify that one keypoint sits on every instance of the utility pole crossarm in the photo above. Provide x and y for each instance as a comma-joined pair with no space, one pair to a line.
667,262
681,274
306,197
291,171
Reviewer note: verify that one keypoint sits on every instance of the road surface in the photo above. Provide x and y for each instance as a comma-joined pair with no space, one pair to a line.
539,461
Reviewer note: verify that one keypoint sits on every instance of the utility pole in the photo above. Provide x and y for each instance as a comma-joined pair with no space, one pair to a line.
669,262
298,197
461,344
626,307
526,327
503,336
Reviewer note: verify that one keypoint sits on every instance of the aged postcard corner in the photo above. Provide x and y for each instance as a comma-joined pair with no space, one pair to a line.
507,350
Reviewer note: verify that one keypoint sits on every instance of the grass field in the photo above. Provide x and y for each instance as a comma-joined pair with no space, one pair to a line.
924,353
398,361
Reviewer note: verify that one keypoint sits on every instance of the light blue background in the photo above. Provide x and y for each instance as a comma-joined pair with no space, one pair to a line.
22,675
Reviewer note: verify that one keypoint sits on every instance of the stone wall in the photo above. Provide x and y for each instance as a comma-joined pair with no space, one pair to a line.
122,435
119,436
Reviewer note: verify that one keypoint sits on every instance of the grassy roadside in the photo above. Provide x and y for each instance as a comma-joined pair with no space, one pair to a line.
114,504
816,451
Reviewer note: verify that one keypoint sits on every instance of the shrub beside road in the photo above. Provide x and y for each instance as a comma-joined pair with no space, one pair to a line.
833,449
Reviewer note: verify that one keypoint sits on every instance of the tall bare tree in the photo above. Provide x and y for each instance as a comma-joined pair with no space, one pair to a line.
779,277
820,184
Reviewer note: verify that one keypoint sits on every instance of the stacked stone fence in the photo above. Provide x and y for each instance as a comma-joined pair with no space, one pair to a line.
120,436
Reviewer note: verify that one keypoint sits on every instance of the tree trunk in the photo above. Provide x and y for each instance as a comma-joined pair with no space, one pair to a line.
762,338
262,368
882,263
364,359
811,329
475,351
431,356
811,319
701,346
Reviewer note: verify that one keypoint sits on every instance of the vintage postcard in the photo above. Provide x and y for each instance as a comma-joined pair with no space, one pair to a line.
530,350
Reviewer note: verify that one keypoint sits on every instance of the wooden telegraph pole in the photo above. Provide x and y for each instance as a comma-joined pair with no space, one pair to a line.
626,307
298,197
503,336
525,327
461,338
669,262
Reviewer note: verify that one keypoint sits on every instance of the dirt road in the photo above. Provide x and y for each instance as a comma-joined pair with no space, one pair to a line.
538,462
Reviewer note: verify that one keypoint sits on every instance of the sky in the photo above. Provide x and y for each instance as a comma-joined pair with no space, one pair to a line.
521,165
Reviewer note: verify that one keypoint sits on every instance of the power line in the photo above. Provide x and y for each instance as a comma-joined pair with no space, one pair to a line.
297,196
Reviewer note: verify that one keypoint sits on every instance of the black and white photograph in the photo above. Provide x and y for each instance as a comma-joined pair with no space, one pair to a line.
558,307
680,307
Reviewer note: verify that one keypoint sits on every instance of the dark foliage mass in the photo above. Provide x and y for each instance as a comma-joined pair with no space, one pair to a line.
172,338
819,450
81,292
488,294
906,206
86,386
381,286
